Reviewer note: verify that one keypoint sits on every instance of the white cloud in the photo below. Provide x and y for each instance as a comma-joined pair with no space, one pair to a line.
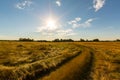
58,2
98,4
57,31
88,22
24,4
45,28
66,32
78,19
76,23
60,31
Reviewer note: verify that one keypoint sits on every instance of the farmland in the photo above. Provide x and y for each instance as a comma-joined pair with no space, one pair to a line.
59,60
106,64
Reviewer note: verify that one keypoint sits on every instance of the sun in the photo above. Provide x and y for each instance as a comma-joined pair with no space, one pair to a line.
51,23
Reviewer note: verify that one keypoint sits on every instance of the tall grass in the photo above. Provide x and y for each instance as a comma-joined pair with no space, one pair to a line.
106,64
35,60
27,61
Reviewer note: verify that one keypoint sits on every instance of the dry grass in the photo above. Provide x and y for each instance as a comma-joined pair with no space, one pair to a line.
62,61
107,60
76,69
25,60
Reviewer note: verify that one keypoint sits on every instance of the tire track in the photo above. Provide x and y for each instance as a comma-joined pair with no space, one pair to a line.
76,69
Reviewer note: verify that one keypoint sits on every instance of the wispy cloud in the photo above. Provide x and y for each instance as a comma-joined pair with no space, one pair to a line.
98,4
57,31
45,28
24,4
66,32
62,31
76,23
58,2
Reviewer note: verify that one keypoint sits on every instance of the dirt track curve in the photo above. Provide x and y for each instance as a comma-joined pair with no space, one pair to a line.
76,69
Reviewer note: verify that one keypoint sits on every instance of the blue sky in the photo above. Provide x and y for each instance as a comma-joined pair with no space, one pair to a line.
50,19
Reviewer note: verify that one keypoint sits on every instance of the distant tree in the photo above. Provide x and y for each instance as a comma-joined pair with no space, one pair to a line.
118,40
63,40
87,40
67,40
70,40
96,40
42,41
56,40
82,40
25,39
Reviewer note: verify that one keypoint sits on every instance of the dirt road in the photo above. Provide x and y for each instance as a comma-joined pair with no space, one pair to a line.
76,69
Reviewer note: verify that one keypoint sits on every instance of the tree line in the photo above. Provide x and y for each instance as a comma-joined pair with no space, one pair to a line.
66,40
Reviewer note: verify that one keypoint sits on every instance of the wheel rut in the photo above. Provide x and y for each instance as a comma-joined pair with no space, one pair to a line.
78,68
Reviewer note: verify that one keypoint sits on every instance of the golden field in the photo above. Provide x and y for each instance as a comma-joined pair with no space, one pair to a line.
106,64
59,60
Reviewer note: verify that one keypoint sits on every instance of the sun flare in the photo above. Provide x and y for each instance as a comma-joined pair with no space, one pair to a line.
50,23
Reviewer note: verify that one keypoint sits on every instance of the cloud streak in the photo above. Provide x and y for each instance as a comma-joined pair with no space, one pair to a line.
56,31
24,4
98,4
76,23
60,31
58,2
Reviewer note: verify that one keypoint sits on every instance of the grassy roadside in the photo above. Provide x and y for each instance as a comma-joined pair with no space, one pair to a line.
26,61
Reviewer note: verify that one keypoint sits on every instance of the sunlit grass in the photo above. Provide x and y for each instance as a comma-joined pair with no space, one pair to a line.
34,60
24,60
106,64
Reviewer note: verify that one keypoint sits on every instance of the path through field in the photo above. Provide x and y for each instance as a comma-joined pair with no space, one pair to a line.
60,61
98,61
76,69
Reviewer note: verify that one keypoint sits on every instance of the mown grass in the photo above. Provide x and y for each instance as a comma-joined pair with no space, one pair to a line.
29,60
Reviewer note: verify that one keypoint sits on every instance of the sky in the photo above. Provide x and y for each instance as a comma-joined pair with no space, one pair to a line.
51,19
